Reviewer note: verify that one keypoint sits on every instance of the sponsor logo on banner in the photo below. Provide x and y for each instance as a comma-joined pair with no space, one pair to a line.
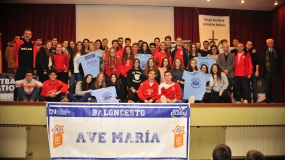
62,112
178,136
177,113
57,135
195,82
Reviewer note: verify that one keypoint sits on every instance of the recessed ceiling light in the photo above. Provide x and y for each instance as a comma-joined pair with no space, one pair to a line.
208,0
242,1
275,3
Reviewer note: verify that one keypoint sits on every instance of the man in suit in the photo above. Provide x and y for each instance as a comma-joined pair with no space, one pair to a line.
226,61
271,59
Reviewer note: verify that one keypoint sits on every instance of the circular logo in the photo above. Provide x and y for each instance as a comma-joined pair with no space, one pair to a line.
107,96
259,83
143,64
195,82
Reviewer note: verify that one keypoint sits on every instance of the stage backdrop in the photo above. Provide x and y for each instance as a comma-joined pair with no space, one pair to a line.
136,22
118,131
214,28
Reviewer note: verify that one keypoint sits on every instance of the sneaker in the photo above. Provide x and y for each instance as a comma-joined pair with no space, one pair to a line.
163,99
238,102
245,101
191,100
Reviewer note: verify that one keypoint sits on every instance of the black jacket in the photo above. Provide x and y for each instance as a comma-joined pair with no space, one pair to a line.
278,59
185,56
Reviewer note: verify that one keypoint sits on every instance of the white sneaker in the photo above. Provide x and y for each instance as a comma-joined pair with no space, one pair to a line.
163,99
238,102
191,99
245,101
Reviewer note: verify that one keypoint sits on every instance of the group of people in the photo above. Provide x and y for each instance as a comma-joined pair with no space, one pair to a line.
223,152
140,72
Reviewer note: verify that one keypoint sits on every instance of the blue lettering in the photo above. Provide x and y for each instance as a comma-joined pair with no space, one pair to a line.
155,137
117,136
92,136
80,137
147,136
128,137
139,136
101,137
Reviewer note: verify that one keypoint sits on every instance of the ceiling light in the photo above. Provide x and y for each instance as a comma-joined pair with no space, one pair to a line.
242,1
275,3
208,0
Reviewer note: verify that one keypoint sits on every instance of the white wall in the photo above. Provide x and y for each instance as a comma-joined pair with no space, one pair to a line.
136,22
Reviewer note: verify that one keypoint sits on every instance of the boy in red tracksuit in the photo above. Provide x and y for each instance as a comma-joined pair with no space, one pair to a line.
61,63
242,73
148,90
53,90
169,92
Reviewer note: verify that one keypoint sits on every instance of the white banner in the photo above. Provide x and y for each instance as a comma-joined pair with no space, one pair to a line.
118,131
214,28
7,87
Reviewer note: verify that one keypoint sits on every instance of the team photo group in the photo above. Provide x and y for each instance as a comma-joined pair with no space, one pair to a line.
166,70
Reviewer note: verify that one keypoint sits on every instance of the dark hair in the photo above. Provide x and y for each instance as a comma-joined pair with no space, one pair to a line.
152,44
254,155
219,71
174,65
189,68
222,152
206,42
235,38
218,52
212,41
151,70
114,41
223,40
207,69
125,55
147,51
38,38
54,37
52,71
48,51
85,39
140,41
30,71
69,49
84,85
156,38
127,39
167,71
167,37
101,46
168,66
118,82
120,38
191,50
28,31
82,52
136,59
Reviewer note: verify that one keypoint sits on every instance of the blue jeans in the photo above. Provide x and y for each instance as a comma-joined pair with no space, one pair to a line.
73,98
253,80
23,96
242,88
74,77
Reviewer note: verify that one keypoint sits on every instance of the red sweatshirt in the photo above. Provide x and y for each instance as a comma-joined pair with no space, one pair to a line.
15,53
159,57
243,65
49,88
146,91
170,91
61,62
179,54
126,67
113,69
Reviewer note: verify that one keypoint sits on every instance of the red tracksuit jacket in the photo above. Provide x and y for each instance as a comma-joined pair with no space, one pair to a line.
146,91
61,62
113,68
243,65
170,91
49,87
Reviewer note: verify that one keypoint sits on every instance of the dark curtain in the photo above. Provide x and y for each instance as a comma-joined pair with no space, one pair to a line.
246,25
45,20
256,26
278,34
